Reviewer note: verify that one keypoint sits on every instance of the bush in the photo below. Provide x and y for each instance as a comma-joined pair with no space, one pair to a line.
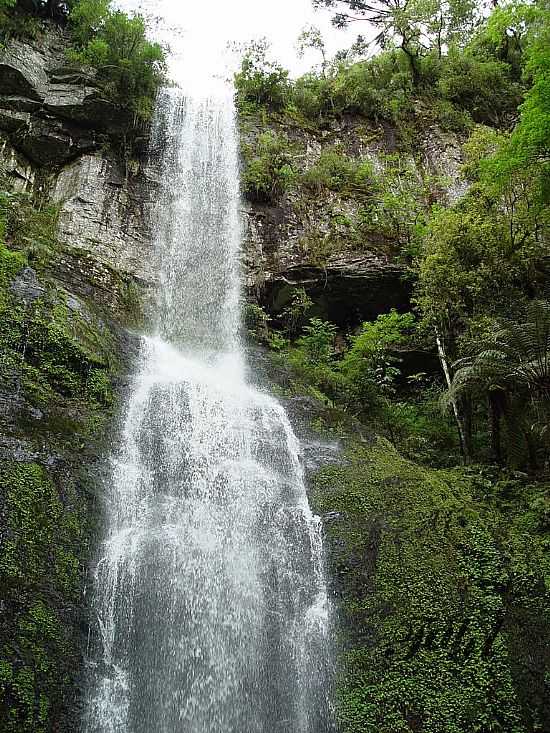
261,81
483,87
15,23
451,118
336,171
28,228
130,68
313,96
368,363
256,322
267,168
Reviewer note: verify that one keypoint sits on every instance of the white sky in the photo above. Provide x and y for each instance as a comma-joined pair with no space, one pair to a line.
198,32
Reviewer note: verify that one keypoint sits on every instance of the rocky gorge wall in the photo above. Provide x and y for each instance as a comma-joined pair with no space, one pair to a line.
311,235
442,609
438,575
73,275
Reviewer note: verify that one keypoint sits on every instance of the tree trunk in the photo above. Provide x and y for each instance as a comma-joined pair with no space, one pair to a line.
495,414
454,404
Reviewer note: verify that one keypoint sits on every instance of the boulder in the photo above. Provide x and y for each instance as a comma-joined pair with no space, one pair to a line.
22,72
82,104
29,84
49,142
26,287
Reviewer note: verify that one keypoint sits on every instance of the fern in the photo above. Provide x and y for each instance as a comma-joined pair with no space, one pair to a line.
515,362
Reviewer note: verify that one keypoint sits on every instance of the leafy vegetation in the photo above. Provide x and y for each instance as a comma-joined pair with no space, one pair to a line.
268,171
129,68
476,263
447,611
437,531
58,361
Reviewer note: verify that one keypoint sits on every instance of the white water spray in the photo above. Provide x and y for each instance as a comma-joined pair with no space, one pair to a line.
209,592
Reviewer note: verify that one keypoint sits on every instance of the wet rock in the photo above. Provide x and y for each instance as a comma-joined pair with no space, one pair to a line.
21,104
50,142
22,72
11,120
16,169
82,104
103,214
26,287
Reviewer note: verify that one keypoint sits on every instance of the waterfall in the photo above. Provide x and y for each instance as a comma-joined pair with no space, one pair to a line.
209,593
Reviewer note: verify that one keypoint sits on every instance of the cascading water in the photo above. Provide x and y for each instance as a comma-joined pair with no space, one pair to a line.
209,592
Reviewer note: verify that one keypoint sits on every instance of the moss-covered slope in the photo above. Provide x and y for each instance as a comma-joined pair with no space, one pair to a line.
59,361
441,581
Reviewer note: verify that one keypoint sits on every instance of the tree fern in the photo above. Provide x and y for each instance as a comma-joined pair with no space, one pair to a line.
515,364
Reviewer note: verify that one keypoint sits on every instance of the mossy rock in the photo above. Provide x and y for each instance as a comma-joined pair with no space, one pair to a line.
44,530
442,597
59,364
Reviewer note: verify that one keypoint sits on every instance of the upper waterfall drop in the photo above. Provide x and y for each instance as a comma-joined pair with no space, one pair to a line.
211,606
198,205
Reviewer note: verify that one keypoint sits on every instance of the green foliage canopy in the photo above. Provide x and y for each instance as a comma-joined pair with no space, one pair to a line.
130,68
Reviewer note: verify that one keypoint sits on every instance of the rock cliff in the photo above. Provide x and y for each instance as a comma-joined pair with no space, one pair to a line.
73,273
312,237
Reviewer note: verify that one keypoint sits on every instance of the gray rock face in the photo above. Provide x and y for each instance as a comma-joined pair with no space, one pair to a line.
103,214
53,119
304,240
50,142
10,120
81,104
17,170
22,72
52,111
26,286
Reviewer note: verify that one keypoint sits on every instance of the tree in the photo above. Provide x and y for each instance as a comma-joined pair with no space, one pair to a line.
311,38
415,26
512,367
260,80
130,67
528,149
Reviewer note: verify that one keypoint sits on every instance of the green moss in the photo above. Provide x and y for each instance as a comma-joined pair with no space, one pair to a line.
59,354
435,588
40,563
10,264
28,227
59,359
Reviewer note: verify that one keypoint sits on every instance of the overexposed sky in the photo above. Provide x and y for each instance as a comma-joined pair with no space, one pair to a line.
199,32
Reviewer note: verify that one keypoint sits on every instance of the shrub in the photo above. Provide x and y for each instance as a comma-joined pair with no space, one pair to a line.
369,364
28,228
336,171
483,87
261,81
256,322
130,68
451,118
267,168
